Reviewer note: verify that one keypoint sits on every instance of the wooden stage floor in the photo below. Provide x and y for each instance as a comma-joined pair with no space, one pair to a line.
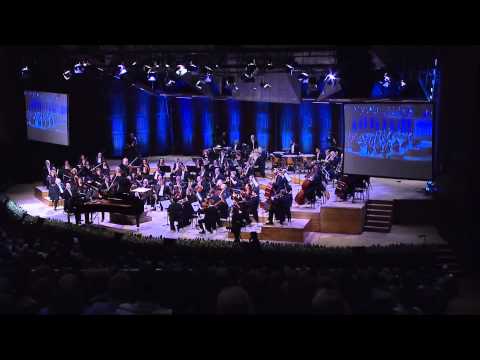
299,230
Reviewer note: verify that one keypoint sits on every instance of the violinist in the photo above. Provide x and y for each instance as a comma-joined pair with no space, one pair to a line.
50,181
161,191
217,176
99,159
105,168
252,200
125,169
233,181
145,169
82,162
211,218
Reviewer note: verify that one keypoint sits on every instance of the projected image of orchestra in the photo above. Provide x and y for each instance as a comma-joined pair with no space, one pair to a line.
384,139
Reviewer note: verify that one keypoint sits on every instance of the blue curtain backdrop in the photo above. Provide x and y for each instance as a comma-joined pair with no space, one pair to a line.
117,117
263,125
162,126
142,122
169,125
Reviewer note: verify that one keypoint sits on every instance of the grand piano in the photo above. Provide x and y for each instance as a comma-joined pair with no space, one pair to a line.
126,205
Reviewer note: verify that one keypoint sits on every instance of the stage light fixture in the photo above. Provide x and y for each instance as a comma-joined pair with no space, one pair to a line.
25,72
67,75
151,76
181,70
331,77
121,69
170,83
402,84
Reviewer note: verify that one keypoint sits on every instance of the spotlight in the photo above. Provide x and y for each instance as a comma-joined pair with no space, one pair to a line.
331,77
181,70
402,84
151,77
67,75
78,68
25,72
265,85
170,83
122,69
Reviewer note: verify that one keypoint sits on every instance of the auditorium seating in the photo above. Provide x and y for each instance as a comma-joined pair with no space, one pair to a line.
56,268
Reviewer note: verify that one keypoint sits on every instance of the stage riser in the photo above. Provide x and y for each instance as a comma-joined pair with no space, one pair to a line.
41,193
342,220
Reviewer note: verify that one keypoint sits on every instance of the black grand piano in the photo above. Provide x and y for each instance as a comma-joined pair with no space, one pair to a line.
126,205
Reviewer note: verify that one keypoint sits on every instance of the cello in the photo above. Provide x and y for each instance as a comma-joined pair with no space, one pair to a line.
300,197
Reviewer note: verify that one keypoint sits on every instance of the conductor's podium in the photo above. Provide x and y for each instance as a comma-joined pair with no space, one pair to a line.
41,193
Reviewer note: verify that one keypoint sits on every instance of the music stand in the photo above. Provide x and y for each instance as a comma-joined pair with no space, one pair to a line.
165,169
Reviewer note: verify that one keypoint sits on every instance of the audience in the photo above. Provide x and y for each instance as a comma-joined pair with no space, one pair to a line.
55,272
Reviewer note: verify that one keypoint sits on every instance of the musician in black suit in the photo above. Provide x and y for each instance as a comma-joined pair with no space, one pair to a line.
318,154
237,222
161,191
99,159
252,143
131,151
46,171
209,222
68,197
294,148
124,167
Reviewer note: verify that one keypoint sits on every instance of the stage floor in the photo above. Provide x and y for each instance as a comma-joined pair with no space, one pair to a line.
382,189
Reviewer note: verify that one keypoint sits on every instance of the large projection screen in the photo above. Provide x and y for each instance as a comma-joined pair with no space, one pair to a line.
389,140
47,117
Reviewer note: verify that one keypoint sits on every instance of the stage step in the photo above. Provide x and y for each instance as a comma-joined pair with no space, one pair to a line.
379,212
385,207
378,217
373,228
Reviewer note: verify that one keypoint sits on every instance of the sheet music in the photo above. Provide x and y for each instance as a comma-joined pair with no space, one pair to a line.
195,206
165,204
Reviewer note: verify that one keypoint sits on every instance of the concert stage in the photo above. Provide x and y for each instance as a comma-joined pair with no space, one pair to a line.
333,223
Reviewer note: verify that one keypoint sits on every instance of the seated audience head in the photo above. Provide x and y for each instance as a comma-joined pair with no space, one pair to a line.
234,300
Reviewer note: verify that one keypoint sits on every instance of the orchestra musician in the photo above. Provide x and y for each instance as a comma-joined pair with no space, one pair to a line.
161,191
105,168
47,171
277,203
99,159
253,143
294,148
131,151
55,192
210,219
125,169
68,197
